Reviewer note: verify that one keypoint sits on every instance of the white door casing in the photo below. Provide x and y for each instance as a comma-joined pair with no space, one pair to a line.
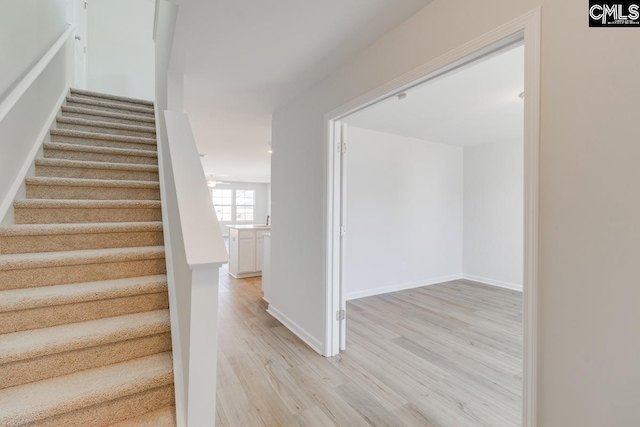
525,29
343,237
80,44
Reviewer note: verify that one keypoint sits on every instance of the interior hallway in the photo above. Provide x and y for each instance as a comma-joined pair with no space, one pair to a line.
443,355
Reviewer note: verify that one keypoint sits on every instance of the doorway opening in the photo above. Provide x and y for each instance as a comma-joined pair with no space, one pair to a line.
349,123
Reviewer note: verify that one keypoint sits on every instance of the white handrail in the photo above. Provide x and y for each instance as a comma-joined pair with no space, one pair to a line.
202,253
14,96
203,241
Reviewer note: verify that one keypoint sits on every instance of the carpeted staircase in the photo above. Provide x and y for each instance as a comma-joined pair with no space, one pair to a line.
85,337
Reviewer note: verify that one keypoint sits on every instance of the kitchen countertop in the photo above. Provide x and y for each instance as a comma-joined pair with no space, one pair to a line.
250,227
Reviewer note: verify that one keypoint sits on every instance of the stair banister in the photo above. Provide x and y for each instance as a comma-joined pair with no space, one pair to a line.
25,116
195,252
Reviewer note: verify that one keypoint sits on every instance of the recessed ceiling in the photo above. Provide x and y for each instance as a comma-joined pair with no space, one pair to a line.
475,105
243,58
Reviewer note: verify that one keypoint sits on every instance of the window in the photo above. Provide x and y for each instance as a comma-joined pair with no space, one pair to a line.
238,204
222,201
245,201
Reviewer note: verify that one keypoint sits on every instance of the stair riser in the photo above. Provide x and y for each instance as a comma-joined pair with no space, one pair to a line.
103,143
101,118
112,101
64,274
110,109
165,417
45,367
70,216
98,157
74,242
86,173
90,193
110,131
114,411
45,317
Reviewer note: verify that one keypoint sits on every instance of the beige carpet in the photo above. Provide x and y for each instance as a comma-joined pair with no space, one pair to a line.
85,335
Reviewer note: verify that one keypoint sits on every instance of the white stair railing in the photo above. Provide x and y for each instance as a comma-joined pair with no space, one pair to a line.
195,252
27,112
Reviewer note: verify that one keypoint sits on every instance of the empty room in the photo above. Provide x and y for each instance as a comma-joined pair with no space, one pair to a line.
431,256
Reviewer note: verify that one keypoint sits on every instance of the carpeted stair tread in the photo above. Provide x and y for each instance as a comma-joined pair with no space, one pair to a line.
77,182
28,298
32,402
105,104
85,331
83,228
102,136
165,417
108,125
86,204
99,150
59,339
74,211
106,96
98,113
96,165
92,256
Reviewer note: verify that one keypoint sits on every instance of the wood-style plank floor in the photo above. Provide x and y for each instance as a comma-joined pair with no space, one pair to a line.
445,355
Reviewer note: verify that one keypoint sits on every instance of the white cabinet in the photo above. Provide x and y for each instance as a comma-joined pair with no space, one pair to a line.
266,268
246,250
247,255
259,252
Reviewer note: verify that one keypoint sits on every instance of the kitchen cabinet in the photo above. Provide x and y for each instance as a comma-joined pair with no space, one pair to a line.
266,267
246,250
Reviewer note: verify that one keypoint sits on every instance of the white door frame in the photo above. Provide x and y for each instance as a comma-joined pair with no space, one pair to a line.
525,28
80,18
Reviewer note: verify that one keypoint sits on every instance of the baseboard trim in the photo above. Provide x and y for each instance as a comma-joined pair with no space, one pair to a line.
401,287
296,329
246,275
7,203
492,282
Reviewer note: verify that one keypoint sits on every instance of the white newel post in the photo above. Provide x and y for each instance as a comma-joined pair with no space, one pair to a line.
203,347
204,252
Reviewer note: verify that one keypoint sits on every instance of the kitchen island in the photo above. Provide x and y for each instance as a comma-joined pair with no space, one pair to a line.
245,250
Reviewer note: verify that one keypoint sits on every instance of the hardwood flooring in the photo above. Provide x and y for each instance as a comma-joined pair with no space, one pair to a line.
446,355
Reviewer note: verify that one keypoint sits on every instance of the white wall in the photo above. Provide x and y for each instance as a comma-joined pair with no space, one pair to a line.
404,212
493,213
589,234
261,209
120,48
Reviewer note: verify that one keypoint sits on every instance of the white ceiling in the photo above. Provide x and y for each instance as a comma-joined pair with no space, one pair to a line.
475,105
244,58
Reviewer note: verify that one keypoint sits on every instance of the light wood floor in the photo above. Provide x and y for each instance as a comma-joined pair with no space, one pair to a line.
446,355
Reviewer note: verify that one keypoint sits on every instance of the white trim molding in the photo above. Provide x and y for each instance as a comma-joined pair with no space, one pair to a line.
492,282
6,204
524,29
295,328
401,287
